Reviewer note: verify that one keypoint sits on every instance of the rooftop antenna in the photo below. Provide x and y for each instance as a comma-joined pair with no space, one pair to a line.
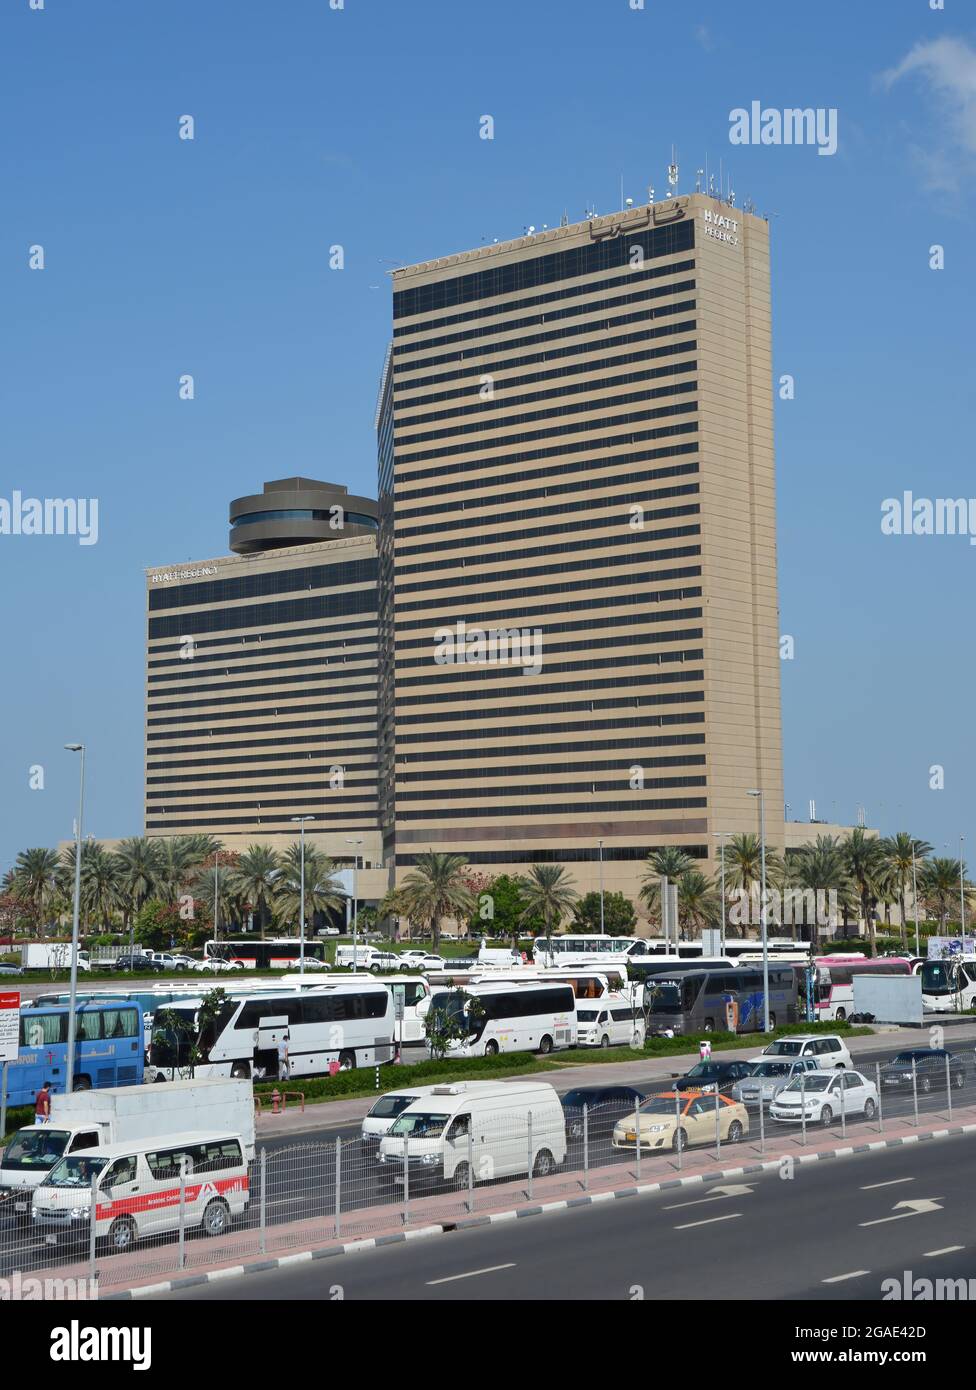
650,195
699,175
673,173
621,192
564,220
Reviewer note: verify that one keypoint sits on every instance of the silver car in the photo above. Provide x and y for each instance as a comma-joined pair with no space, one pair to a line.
768,1078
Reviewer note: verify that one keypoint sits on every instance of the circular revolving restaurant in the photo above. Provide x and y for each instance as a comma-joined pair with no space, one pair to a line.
298,511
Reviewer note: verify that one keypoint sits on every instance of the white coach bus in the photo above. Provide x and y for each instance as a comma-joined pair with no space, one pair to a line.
351,1023
510,1017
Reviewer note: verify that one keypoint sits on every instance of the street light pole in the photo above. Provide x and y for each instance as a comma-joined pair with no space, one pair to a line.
355,900
762,904
216,880
722,836
69,1080
962,898
915,898
600,842
301,911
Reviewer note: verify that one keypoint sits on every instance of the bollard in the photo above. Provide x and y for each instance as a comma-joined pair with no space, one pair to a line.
877,1082
679,1144
92,1239
471,1164
586,1148
262,1169
915,1090
948,1088
528,1130
803,1107
275,1101
718,1124
338,1185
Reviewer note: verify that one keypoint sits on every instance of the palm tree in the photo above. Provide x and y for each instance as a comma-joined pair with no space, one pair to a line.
435,889
136,862
323,892
100,891
865,860
901,851
743,864
254,878
938,887
698,903
549,892
821,868
670,862
217,879
35,880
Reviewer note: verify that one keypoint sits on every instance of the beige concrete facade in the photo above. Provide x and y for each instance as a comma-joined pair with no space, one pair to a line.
576,440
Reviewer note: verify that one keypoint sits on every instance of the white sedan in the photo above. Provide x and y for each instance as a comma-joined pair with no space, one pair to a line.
212,966
823,1096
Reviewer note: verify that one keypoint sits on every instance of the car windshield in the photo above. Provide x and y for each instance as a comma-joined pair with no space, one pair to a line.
576,1099
784,1048
905,1059
35,1148
658,1105
811,1082
708,1071
388,1106
420,1124
771,1069
586,1015
74,1171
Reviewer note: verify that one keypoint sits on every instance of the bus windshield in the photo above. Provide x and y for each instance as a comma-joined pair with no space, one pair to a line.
388,1106
420,1124
35,1148
74,1171
663,998
937,977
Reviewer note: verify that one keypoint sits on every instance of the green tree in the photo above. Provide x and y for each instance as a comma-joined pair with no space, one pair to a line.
821,867
670,862
698,903
619,917
550,893
254,878
453,1022
504,907
898,851
136,864
865,860
35,881
436,889
323,892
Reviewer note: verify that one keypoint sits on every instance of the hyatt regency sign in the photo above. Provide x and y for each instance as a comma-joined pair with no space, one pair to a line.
720,227
175,576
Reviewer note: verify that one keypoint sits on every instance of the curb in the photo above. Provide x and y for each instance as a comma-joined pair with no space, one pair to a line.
471,1223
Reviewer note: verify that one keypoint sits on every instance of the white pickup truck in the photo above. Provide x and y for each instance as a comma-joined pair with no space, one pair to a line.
118,1114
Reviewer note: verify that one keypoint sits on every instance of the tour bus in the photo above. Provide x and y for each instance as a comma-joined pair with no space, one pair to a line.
508,1017
280,953
949,985
735,948
411,997
697,1001
834,988
351,1023
585,950
109,1050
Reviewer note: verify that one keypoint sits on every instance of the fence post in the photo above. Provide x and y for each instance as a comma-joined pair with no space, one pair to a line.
948,1088
679,1143
718,1125
586,1148
803,1106
528,1131
181,1256
843,1105
637,1138
762,1122
92,1224
263,1166
338,1184
877,1075
470,1163
915,1090
406,1179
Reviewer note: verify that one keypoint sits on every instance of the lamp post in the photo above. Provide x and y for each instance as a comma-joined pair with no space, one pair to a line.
69,1080
722,836
600,843
757,791
301,911
962,899
915,898
355,903
216,881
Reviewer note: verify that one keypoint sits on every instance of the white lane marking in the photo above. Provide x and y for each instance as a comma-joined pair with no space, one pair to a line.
918,1206
946,1250
471,1274
690,1225
733,1190
870,1187
839,1278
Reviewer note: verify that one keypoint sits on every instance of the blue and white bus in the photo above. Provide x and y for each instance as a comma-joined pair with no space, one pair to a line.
109,1050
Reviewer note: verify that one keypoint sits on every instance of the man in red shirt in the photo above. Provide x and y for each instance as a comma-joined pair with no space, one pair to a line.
42,1105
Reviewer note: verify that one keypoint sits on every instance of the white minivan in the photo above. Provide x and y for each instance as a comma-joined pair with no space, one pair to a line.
828,1049
460,1130
608,1022
138,1191
365,958
380,1119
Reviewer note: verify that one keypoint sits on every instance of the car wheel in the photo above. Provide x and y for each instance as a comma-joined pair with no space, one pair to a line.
545,1044
958,1081
544,1164
735,1132
772,1021
82,1083
870,1109
925,1085
461,1177
216,1218
241,1070
709,1025
604,1041
680,1141
347,1061
841,1015
826,1117
491,1048
122,1233
158,1078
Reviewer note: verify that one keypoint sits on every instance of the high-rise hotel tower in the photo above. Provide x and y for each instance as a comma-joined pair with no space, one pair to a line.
578,635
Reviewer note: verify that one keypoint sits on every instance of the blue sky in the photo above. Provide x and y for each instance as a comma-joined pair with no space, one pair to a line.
359,126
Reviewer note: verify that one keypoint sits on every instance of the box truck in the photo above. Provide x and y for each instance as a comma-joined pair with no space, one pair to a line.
120,1114
52,955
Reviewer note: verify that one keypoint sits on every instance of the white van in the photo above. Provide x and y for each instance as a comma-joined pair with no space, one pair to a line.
138,1191
458,1129
365,958
380,1120
608,1022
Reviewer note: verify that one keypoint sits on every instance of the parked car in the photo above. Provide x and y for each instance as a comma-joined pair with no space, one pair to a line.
10,970
217,967
929,1070
829,1049
769,1077
421,960
824,1095
673,1120
707,1076
168,961
137,963
604,1107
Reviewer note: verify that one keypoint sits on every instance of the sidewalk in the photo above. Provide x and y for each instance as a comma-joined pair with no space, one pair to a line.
332,1114
150,1270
